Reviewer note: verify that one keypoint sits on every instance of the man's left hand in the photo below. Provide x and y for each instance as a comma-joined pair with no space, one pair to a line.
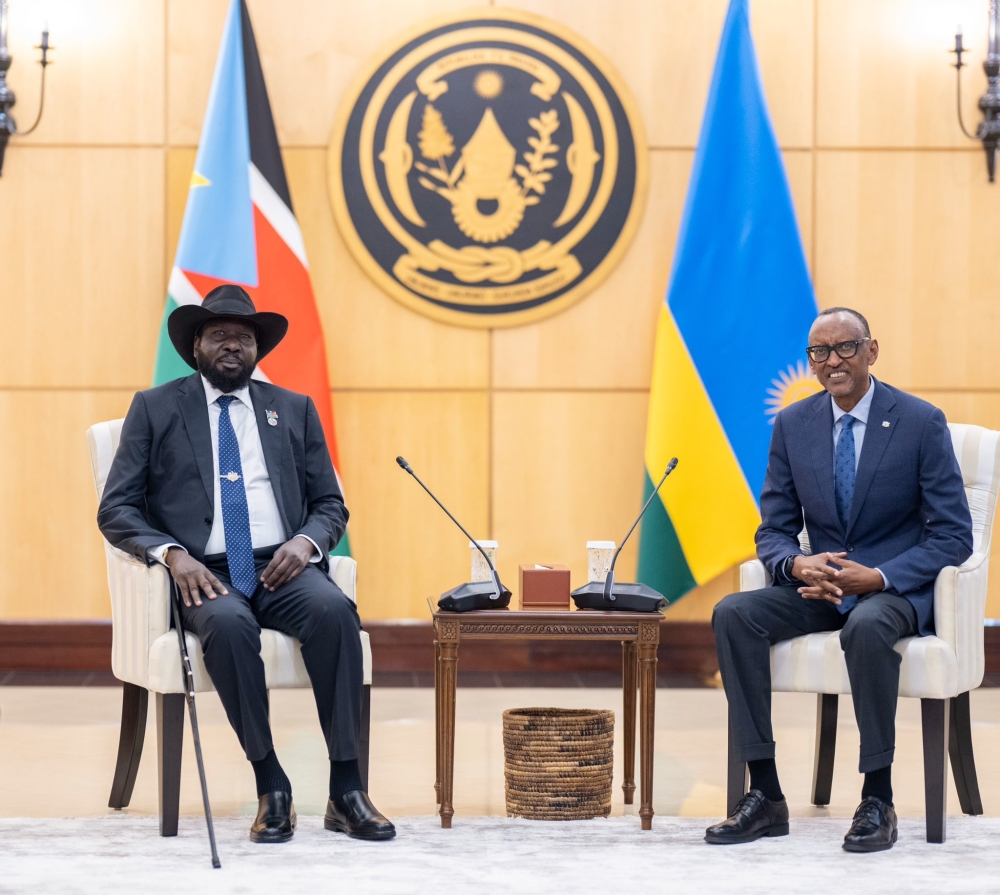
288,561
853,579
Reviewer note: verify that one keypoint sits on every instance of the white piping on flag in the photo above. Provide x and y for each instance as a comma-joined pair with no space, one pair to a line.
258,373
278,214
180,289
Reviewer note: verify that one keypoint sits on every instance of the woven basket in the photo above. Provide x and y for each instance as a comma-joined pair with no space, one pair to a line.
558,763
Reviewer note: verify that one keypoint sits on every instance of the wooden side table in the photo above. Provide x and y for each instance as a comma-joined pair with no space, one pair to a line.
639,633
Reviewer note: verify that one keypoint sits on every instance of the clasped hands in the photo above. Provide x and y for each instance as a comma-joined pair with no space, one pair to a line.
830,576
194,579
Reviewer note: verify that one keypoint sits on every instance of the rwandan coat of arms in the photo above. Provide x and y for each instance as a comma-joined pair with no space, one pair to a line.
487,170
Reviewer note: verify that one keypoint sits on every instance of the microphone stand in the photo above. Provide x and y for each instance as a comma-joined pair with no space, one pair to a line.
497,586
609,581
188,673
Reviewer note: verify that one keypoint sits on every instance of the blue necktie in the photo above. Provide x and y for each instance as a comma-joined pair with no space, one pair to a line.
235,513
843,477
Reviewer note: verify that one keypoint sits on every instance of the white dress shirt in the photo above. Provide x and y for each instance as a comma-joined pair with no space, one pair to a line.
266,528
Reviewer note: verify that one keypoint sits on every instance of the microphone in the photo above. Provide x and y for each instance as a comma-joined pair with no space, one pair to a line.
626,597
476,594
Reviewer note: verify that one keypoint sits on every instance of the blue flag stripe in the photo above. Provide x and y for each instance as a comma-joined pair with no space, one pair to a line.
217,236
740,290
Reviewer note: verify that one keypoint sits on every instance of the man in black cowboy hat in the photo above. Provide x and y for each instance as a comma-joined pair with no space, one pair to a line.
227,481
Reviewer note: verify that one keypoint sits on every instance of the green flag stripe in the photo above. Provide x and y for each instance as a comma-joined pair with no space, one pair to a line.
168,362
661,560
343,547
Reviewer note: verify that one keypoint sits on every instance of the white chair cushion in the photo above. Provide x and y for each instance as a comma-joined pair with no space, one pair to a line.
815,663
282,655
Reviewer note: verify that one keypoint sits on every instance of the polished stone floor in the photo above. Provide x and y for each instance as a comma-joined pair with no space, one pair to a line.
58,746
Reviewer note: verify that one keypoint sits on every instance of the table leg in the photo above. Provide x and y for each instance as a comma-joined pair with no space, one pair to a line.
647,714
629,671
448,672
437,722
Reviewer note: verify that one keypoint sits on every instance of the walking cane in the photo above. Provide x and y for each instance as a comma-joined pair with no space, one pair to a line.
175,603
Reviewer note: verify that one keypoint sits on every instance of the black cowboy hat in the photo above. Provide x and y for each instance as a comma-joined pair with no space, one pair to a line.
224,301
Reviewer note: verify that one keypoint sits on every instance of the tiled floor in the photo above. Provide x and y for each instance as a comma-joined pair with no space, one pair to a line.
58,747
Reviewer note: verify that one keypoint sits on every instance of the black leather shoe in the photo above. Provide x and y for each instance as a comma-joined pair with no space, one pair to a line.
355,815
874,827
276,818
754,816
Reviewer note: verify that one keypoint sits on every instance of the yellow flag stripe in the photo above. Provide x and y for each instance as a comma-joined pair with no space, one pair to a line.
709,502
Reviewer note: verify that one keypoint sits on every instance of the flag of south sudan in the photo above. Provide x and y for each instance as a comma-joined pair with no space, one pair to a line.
239,227
731,338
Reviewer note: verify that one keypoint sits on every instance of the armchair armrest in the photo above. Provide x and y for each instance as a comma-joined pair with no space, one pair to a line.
140,612
344,573
959,612
753,575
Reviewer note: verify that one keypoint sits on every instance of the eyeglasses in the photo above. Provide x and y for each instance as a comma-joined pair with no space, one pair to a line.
819,354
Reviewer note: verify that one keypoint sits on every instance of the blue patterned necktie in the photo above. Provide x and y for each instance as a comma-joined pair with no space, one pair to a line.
235,512
844,472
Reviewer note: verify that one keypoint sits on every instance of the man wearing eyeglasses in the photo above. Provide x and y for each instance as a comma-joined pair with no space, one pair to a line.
871,472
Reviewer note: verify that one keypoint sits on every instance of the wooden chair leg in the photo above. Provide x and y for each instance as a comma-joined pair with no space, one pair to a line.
135,702
934,716
963,761
737,775
364,741
826,747
169,742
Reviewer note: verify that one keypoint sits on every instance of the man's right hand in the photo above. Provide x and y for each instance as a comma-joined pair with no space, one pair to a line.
192,577
819,576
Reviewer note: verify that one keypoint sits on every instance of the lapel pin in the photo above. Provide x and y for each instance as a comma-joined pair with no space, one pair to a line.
272,418
885,424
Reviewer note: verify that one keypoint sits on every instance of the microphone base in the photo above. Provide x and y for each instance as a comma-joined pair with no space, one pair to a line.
627,598
475,595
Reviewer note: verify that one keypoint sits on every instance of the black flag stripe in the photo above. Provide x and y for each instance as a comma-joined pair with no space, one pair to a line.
264,150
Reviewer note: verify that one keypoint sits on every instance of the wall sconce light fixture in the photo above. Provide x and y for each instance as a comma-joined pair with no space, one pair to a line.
8,127
988,132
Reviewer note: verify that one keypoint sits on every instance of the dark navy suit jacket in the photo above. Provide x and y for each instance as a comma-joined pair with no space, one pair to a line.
909,517
160,486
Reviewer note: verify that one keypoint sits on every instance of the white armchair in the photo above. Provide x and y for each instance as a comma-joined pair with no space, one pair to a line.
939,670
145,657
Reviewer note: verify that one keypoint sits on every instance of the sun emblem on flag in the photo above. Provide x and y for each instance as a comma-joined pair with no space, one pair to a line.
791,385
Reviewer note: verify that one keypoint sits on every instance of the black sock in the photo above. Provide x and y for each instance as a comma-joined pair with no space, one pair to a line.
764,776
879,784
270,775
345,777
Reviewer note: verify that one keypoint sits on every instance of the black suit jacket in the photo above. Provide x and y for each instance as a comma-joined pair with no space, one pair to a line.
160,486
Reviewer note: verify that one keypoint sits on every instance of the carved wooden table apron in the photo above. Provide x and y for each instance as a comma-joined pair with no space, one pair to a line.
639,634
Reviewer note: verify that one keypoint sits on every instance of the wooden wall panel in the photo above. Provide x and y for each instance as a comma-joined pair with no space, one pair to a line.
884,75
82,232
406,548
507,426
49,507
907,238
606,339
107,81
301,42
665,51
567,468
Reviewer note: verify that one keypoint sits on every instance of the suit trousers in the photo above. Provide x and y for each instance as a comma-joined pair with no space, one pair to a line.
313,610
746,625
